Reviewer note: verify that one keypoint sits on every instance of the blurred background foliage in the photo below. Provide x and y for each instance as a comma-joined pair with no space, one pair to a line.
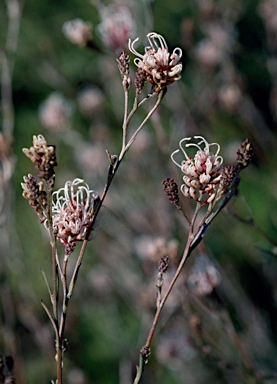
228,91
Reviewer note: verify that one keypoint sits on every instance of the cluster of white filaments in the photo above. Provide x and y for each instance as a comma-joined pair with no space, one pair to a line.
161,67
202,172
72,208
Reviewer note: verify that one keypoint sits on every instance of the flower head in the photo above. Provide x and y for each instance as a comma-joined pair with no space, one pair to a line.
161,67
72,208
202,172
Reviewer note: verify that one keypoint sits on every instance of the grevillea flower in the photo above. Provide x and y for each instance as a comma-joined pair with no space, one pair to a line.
161,67
72,208
202,172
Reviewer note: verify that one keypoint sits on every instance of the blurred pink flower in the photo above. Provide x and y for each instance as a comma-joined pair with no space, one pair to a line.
78,32
90,100
216,46
55,112
117,27
203,277
208,54
91,157
230,96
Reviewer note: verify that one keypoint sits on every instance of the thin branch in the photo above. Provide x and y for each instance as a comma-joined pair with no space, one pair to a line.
169,289
124,125
54,323
54,255
132,139
63,277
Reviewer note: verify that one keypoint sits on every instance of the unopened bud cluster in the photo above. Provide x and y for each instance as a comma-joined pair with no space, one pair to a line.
245,154
227,175
124,68
171,190
43,156
33,192
140,80
163,264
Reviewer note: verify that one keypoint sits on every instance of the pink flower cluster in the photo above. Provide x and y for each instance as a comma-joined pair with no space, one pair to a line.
202,172
161,67
72,208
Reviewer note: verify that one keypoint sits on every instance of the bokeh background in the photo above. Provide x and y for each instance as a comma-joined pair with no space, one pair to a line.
220,323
